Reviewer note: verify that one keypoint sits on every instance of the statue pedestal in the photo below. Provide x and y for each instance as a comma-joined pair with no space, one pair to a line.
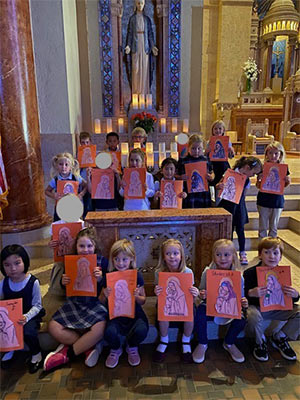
276,84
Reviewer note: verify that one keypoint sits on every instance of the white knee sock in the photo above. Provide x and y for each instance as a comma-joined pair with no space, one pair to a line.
186,348
162,347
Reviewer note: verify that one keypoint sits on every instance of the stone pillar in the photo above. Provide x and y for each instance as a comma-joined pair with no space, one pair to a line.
269,63
291,57
19,123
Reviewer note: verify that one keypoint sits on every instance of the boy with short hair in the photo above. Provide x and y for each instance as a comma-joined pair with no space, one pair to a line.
112,141
85,138
270,253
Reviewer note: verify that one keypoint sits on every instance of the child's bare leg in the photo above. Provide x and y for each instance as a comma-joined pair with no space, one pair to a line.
61,334
163,328
90,338
186,339
188,328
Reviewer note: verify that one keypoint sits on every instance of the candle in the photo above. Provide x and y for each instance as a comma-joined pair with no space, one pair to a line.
124,148
121,125
162,147
135,98
185,127
142,101
109,125
174,154
161,157
149,147
150,160
174,125
163,125
149,100
124,160
173,147
136,145
97,125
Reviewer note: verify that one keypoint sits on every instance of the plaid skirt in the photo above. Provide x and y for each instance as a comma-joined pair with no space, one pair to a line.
80,313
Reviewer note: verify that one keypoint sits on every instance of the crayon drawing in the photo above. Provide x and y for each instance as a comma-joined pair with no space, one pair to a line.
11,332
233,186
123,304
103,184
65,234
83,281
219,148
196,173
135,179
171,191
175,303
87,155
273,180
226,301
65,187
116,160
80,270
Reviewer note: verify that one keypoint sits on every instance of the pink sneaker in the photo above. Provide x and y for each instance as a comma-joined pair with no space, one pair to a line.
113,358
56,358
133,356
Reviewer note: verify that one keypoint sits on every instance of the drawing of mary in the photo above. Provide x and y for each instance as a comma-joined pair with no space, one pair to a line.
175,299
65,242
135,185
68,188
87,156
103,188
229,189
274,295
8,337
272,181
83,281
219,151
170,196
197,184
226,301
123,305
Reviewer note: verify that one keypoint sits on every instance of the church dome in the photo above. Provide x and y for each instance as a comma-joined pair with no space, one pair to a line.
281,19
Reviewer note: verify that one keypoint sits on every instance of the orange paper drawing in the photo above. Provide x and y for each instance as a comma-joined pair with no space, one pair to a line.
234,184
171,191
196,173
223,293
80,270
219,148
175,303
67,187
11,332
273,279
182,150
121,301
103,184
273,179
65,234
135,179
116,160
87,155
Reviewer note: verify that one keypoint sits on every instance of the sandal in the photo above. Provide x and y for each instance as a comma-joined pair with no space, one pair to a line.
158,356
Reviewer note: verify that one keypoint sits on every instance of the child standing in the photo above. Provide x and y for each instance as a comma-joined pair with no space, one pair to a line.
195,154
79,313
85,139
270,205
270,253
248,166
172,259
112,141
18,283
139,135
224,258
137,160
122,257
65,168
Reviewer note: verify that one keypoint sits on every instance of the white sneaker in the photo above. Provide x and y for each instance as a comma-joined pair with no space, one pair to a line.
199,353
236,355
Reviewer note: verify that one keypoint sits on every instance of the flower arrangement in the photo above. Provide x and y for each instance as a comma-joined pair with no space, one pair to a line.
251,72
144,120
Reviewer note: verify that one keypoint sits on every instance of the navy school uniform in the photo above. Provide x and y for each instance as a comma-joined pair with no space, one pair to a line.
271,200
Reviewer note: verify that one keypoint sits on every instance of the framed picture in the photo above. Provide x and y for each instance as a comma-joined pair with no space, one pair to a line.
103,186
171,190
234,184
87,155
11,333
121,302
66,235
224,293
273,179
135,179
175,303
196,173
80,270
219,148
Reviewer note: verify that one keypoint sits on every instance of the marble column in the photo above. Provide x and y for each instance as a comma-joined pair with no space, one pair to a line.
269,63
19,123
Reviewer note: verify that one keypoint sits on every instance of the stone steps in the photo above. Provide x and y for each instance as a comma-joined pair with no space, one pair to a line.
292,202
288,220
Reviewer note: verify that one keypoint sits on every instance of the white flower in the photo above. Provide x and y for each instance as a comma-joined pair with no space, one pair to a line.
250,69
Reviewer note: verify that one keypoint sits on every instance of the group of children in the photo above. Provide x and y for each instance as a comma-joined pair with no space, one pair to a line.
81,323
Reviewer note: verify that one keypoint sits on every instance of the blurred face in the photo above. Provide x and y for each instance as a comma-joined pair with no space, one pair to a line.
168,171
85,142
135,161
14,267
196,149
249,172
64,167
112,143
223,257
273,155
270,257
172,257
122,261
138,137
218,130
140,5
85,246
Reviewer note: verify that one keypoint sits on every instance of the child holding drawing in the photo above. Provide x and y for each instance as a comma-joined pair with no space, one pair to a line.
79,313
172,259
122,258
224,258
270,253
18,283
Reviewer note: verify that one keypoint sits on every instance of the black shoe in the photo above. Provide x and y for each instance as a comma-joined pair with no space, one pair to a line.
260,352
33,367
285,349
7,364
